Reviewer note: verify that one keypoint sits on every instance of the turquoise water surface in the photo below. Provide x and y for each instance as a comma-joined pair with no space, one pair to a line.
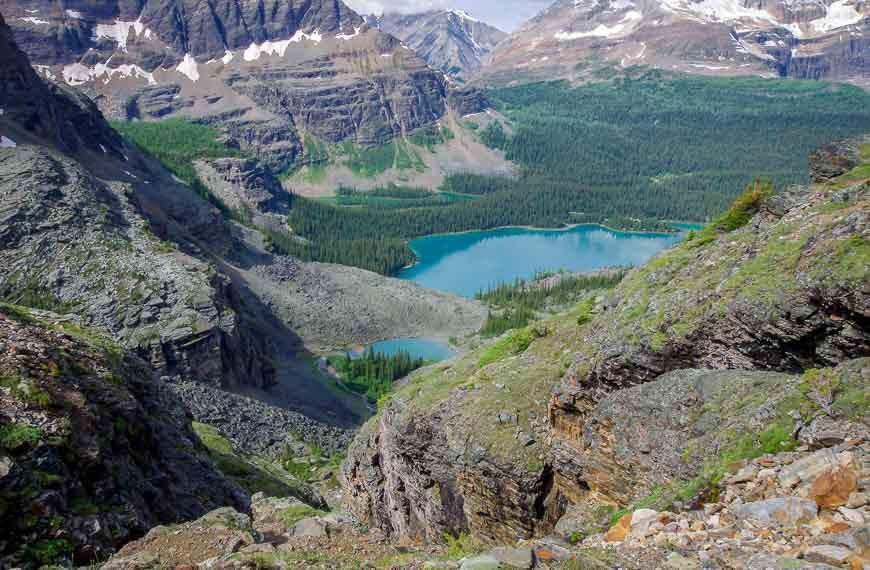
417,347
473,261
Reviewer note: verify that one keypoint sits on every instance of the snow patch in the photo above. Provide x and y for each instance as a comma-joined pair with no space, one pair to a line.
102,148
345,37
278,48
228,57
6,142
462,15
34,21
603,31
78,74
839,14
119,32
75,15
189,68
45,71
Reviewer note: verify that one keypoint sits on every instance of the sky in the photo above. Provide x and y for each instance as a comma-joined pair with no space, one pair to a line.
504,14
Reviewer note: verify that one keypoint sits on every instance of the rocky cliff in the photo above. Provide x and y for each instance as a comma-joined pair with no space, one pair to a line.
590,39
93,451
270,78
90,244
451,41
629,392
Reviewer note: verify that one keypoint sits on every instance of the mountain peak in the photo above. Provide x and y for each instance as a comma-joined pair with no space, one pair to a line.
449,40
787,38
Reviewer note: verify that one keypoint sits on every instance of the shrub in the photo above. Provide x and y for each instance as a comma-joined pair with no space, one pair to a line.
14,436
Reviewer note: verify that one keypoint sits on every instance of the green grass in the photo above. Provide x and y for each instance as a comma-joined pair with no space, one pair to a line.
511,344
431,136
369,162
253,474
292,515
47,552
14,437
177,143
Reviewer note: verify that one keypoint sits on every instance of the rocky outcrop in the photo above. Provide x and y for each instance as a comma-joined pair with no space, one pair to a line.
689,422
767,300
89,243
451,41
419,477
274,81
467,101
788,291
94,451
242,183
62,116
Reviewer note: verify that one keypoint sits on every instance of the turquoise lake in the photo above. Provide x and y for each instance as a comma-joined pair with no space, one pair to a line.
473,261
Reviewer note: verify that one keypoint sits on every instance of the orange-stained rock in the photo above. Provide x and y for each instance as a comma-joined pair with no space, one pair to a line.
832,488
620,530
837,527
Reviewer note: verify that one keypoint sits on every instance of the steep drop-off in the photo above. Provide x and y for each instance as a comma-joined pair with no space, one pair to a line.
502,442
93,450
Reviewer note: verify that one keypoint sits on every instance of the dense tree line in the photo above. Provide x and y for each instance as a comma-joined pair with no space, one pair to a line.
515,305
624,153
373,373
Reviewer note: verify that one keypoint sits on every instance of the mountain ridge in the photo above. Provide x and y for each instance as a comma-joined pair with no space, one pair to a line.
574,39
449,40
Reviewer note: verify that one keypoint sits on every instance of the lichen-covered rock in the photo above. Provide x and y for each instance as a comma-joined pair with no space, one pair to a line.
97,453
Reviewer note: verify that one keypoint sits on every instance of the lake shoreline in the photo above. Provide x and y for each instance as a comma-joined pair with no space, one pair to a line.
480,259
566,228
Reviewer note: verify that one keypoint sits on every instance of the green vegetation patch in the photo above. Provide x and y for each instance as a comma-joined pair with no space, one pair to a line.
47,552
14,437
177,143
292,515
252,474
519,303
370,161
373,373
431,136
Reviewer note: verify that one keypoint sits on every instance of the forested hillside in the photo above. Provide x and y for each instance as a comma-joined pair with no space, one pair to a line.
627,153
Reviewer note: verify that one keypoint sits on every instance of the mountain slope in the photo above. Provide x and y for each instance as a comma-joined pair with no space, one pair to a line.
93,450
273,80
448,40
502,442
91,225
584,38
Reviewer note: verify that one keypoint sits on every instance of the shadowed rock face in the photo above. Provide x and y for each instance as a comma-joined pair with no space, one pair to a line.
102,453
81,213
810,40
267,75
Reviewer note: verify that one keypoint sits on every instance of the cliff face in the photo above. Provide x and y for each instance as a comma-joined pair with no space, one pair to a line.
93,452
268,76
637,387
81,214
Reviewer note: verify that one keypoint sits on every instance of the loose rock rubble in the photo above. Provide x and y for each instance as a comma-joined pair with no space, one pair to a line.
791,510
